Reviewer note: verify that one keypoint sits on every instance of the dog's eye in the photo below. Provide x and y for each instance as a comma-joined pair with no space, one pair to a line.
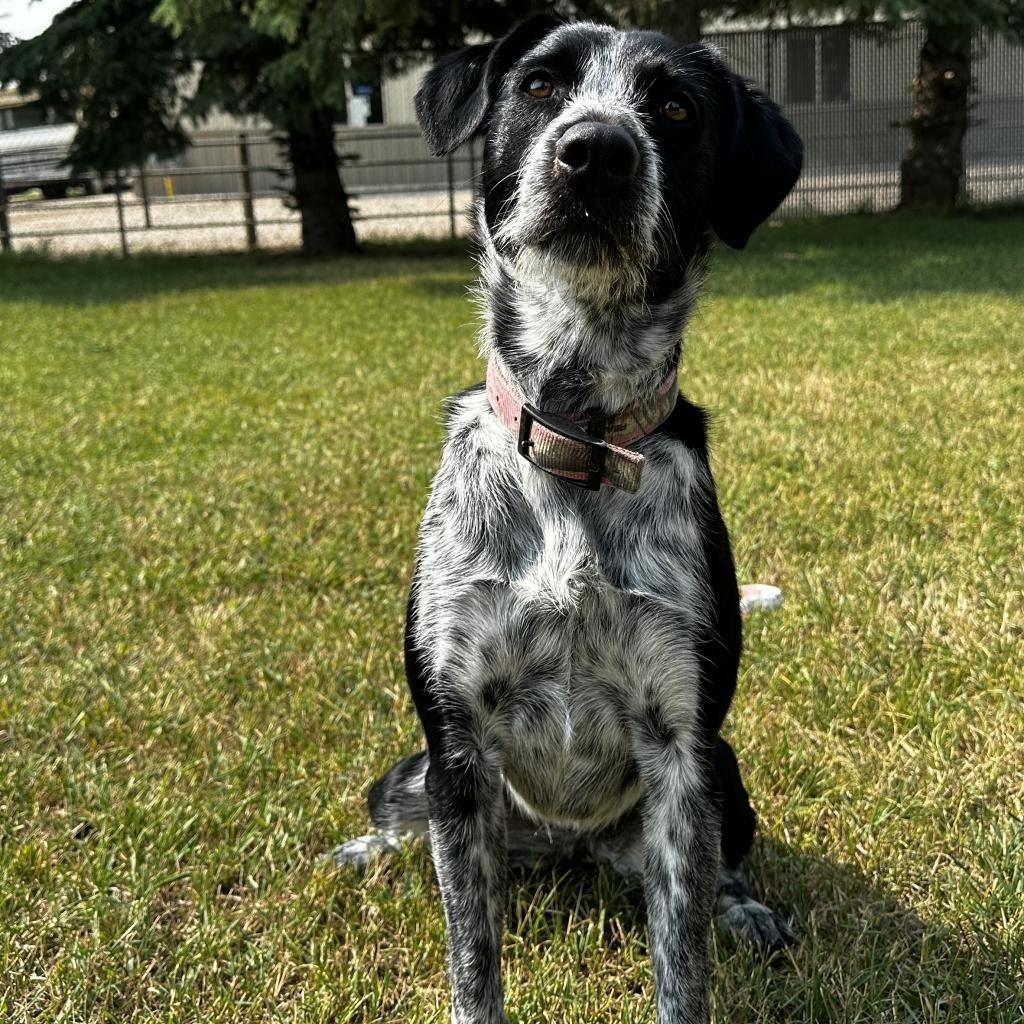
539,87
676,109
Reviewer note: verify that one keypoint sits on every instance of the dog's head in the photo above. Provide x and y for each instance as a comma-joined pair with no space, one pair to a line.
610,153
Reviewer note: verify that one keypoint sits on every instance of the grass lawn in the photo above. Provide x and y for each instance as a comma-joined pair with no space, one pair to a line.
211,472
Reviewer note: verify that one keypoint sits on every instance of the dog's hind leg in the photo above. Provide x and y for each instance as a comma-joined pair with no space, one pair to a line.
738,819
738,912
398,799
398,810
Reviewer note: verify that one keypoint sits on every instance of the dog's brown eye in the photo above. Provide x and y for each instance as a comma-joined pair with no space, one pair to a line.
676,110
538,87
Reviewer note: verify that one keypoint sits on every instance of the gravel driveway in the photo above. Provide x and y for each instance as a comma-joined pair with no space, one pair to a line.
215,223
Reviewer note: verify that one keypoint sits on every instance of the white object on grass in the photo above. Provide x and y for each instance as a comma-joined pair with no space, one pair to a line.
756,597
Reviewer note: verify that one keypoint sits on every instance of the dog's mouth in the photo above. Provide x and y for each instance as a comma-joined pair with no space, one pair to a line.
575,233
584,243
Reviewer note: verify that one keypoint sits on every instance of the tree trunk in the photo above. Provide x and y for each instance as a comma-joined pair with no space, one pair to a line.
932,169
319,193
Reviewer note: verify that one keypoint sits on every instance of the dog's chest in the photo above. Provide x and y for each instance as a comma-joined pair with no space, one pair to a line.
617,640
559,619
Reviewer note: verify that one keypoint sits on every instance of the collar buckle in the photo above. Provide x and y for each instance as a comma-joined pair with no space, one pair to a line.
597,447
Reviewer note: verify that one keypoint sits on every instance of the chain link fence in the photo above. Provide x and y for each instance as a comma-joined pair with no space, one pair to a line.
847,89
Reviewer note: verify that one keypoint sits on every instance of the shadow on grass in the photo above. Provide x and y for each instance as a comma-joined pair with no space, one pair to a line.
861,954
877,258
444,288
103,279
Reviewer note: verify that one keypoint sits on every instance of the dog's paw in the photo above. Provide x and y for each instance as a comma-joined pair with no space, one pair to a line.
362,851
752,922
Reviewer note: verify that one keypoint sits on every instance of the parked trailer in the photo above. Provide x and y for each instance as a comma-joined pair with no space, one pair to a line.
38,158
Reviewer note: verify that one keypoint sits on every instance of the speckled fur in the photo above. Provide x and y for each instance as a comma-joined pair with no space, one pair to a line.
572,654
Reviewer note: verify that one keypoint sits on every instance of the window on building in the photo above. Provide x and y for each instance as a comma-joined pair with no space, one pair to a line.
835,66
801,67
31,115
364,104
818,66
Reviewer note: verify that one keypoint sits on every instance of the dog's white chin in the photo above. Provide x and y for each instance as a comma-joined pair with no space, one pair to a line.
596,272
598,278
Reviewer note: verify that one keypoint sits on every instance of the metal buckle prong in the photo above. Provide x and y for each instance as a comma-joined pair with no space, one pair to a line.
596,447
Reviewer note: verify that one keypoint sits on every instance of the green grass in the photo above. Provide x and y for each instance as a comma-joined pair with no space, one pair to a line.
211,471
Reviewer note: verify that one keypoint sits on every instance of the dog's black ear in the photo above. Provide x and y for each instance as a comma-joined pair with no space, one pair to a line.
759,162
455,98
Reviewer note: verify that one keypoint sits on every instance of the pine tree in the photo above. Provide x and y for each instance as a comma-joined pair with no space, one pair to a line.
106,61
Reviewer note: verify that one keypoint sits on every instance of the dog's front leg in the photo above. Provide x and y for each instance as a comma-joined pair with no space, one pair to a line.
681,838
467,836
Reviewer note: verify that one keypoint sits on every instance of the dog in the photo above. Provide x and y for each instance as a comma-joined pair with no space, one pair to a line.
573,630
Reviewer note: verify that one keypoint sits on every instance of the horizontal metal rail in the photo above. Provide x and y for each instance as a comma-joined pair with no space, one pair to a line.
295,221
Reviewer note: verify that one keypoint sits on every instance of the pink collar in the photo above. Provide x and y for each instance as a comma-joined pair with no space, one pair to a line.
586,450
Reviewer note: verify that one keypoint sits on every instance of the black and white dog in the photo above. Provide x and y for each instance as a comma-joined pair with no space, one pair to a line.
574,628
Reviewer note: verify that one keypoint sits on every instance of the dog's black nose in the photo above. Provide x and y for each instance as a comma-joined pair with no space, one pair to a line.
596,155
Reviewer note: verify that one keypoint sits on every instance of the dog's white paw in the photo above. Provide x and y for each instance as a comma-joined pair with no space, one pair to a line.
756,597
362,851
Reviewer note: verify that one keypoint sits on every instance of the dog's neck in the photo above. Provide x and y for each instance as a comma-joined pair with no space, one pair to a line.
572,345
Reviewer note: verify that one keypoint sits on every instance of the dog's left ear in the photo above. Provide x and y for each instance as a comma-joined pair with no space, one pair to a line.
457,93
760,157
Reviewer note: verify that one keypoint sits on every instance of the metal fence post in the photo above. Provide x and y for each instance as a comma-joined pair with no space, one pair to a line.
6,242
249,209
118,185
145,195
451,196
963,189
